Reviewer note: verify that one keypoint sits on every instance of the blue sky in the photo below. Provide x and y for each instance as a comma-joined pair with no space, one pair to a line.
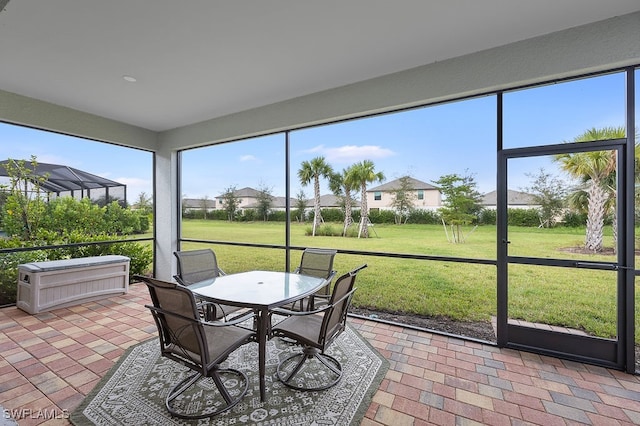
425,143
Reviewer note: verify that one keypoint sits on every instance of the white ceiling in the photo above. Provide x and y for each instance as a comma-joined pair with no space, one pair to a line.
200,59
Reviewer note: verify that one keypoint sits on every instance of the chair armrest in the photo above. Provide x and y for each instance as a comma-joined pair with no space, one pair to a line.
287,312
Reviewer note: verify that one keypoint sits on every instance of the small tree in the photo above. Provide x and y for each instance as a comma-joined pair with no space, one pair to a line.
461,202
300,206
25,205
230,201
403,200
264,201
205,202
143,203
549,193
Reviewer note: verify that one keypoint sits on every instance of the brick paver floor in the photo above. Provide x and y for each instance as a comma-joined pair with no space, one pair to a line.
50,361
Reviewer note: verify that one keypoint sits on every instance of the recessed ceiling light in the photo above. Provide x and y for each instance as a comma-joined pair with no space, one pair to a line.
129,78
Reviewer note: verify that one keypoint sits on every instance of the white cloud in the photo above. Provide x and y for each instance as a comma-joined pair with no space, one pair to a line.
248,158
135,186
53,159
315,149
352,153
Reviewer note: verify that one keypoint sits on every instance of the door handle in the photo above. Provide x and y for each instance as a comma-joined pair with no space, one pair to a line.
595,265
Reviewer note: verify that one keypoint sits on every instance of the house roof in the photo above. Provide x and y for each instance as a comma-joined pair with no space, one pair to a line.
197,203
196,61
244,192
395,184
514,198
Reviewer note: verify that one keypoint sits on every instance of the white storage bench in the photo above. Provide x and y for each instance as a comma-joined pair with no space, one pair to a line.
43,286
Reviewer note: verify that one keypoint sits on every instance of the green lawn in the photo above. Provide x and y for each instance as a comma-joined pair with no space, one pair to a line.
576,298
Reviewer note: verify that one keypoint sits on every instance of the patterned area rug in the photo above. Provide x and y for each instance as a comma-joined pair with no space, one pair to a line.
134,390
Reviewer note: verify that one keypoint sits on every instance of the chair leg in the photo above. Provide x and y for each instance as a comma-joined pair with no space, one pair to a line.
306,355
185,384
303,359
325,359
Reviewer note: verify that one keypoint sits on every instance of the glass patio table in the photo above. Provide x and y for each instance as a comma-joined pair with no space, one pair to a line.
260,291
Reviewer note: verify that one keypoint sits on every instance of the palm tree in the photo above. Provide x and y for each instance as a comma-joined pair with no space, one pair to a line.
360,174
312,171
597,170
341,187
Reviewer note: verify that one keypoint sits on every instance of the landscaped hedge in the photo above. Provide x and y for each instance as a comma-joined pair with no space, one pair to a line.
515,217
63,221
425,217
66,213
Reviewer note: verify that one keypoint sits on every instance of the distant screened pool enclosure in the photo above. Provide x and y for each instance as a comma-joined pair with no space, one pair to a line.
65,181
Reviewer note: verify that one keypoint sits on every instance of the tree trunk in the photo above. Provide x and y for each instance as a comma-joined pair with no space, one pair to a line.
614,222
364,212
316,204
347,213
595,216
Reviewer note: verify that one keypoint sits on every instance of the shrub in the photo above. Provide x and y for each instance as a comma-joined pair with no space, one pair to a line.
120,221
332,215
487,217
382,216
277,216
574,219
523,217
9,272
249,215
325,230
427,217
515,217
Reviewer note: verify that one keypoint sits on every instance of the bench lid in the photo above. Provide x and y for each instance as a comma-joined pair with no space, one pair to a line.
78,262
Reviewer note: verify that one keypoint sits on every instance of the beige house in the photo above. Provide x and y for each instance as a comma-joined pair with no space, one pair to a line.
426,196
277,203
515,200
246,197
330,201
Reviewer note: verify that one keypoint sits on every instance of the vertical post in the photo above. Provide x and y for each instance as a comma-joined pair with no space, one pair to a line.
287,202
626,292
501,228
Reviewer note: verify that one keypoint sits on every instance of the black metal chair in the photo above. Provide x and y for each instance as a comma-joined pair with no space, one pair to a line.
199,265
200,346
315,330
316,263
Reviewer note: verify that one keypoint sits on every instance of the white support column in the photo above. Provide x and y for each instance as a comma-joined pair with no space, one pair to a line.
166,212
